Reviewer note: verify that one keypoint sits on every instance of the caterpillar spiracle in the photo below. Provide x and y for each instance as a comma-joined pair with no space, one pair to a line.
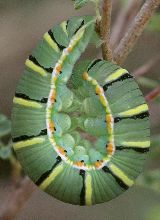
80,131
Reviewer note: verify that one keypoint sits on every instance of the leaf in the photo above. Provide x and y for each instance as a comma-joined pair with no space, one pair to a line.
80,3
155,147
151,180
5,152
154,23
5,126
95,40
153,213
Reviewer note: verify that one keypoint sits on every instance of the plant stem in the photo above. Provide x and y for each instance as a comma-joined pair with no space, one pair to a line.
105,29
153,94
124,17
16,200
96,2
129,40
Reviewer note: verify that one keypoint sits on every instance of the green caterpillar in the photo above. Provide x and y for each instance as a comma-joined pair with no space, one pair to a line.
55,106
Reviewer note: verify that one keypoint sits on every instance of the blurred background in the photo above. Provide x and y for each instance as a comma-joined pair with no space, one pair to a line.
22,24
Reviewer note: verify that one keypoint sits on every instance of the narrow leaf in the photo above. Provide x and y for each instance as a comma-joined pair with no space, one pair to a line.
5,152
80,3
5,126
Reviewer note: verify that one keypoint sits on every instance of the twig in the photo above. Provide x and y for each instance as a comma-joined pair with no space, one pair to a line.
135,30
145,68
16,200
153,94
105,29
125,15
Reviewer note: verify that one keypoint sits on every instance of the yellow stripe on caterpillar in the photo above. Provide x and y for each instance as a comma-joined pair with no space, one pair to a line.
51,177
88,194
118,73
77,37
120,174
63,26
21,144
134,111
27,103
50,41
140,144
35,68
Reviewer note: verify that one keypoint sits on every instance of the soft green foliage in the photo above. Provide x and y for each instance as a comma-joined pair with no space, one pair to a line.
153,214
5,152
5,143
150,179
155,147
154,24
5,126
80,3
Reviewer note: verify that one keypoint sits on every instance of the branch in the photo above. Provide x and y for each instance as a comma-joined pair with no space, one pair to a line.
153,94
146,67
135,30
16,200
105,29
126,14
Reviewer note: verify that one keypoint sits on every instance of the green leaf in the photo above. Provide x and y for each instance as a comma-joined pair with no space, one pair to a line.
153,213
5,126
95,40
151,180
5,152
80,3
154,23
155,147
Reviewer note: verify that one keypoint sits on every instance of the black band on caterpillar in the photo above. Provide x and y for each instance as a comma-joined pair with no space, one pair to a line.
82,195
138,116
81,25
47,173
93,64
23,96
140,150
61,47
26,137
121,78
119,181
34,60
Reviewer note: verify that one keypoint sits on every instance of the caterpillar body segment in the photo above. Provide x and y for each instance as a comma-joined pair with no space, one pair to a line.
80,131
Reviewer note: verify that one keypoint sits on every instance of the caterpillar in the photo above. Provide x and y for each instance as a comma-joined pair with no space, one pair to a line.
80,131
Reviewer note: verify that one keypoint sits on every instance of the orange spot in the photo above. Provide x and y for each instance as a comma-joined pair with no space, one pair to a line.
108,119
58,68
97,164
61,150
51,126
110,148
78,163
69,49
98,90
53,95
85,76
